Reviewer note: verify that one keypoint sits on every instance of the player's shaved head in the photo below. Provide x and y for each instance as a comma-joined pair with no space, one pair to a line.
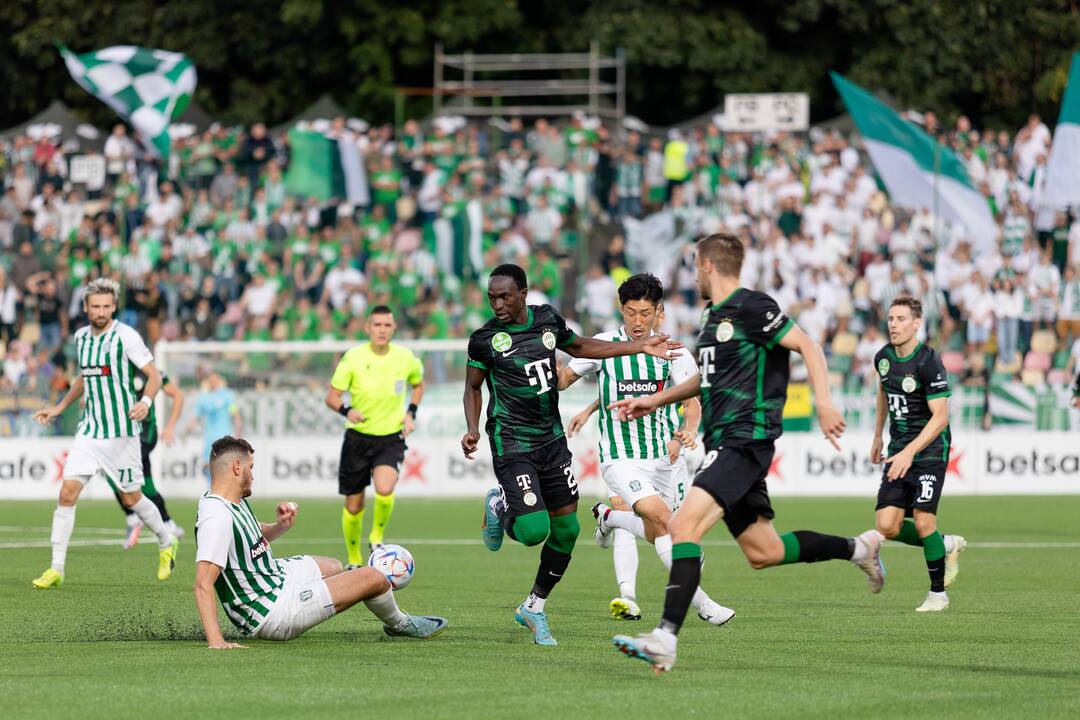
227,449
724,251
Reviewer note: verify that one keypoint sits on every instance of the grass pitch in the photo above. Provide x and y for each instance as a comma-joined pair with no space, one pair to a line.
808,641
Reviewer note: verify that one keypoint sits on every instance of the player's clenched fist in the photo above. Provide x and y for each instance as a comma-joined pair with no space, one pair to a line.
469,441
286,514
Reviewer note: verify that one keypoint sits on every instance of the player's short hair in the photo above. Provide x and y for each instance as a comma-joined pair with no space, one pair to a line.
909,302
512,271
229,444
380,310
724,251
103,286
643,286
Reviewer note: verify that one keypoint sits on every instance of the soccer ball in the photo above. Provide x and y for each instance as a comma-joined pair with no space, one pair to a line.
395,562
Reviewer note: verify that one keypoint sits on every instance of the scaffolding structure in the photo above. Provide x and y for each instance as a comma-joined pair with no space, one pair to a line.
516,83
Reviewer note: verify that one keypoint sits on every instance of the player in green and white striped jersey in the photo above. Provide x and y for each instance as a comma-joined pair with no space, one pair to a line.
641,460
266,597
107,439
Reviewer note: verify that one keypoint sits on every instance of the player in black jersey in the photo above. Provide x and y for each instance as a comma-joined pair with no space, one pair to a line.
914,394
148,439
743,353
536,501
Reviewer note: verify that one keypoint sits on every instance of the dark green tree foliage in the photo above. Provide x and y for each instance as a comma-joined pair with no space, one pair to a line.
995,60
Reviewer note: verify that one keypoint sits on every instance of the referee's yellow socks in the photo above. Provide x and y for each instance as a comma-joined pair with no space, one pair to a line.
350,528
384,508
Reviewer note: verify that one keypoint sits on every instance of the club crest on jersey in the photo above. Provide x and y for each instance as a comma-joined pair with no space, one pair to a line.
908,384
883,367
501,342
725,331
548,339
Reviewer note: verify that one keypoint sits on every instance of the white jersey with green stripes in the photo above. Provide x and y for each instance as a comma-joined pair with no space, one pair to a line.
105,363
228,535
632,376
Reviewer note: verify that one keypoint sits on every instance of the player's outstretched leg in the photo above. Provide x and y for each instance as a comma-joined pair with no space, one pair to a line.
807,546
625,557
150,516
367,585
559,534
491,529
63,524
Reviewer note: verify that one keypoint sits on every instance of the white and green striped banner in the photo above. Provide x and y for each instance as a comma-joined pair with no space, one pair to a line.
918,172
1063,165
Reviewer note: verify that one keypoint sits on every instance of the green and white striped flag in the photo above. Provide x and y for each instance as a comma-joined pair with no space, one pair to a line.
1063,165
914,167
147,88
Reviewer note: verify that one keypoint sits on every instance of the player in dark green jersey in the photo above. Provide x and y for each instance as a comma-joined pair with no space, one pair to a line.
914,395
148,439
744,357
536,501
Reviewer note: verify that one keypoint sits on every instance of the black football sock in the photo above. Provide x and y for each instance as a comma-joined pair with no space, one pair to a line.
807,546
682,584
159,502
553,564
934,552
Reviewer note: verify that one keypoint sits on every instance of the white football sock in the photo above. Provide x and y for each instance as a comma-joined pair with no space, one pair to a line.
63,522
860,550
386,609
626,521
534,603
663,551
626,561
151,518
950,543
132,520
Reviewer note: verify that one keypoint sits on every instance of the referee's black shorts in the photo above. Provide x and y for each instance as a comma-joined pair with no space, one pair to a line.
360,454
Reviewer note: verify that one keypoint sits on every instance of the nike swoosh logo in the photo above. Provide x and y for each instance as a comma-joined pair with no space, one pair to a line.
554,574
508,353
669,587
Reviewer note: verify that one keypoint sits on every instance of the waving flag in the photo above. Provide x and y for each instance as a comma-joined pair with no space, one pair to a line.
147,88
1063,165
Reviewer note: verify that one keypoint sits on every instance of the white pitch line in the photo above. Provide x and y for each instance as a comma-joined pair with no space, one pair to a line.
44,543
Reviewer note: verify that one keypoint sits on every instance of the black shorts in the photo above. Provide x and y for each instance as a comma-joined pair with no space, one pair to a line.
735,477
360,454
920,489
146,448
542,479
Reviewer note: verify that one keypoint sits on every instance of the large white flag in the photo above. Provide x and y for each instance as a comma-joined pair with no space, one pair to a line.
914,167
1063,166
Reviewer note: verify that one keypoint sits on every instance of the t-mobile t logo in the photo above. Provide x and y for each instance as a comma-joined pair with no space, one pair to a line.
539,373
706,356
898,405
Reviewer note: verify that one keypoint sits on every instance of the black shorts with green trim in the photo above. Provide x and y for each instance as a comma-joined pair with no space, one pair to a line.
919,489
541,479
735,477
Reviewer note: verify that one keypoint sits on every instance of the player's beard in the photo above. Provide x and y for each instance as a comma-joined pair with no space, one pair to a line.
102,322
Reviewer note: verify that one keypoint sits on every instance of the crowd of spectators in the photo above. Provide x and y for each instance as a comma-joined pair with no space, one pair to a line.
212,245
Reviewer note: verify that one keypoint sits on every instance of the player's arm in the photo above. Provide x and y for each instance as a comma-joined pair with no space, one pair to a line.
416,380
177,396
206,574
831,421
578,421
656,345
286,518
46,416
567,377
687,434
339,383
475,375
633,408
901,462
881,410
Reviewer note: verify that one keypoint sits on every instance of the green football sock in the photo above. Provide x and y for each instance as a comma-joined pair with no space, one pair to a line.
350,528
934,552
908,534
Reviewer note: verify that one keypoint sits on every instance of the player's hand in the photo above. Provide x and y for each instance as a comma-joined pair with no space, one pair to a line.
875,450
832,424
286,514
168,436
469,441
660,346
355,416
577,423
899,464
46,416
686,438
674,447
225,645
138,411
633,408
409,425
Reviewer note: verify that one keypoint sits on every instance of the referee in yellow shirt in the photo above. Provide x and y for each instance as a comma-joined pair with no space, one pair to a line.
376,376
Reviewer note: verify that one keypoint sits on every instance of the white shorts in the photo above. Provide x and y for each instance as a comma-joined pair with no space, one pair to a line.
117,459
303,603
633,480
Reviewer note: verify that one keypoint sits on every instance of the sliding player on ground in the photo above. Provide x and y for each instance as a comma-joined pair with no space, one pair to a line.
641,460
744,354
107,440
914,395
536,501
376,375
269,598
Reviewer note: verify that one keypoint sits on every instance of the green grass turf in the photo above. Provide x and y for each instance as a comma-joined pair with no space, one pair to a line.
809,641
